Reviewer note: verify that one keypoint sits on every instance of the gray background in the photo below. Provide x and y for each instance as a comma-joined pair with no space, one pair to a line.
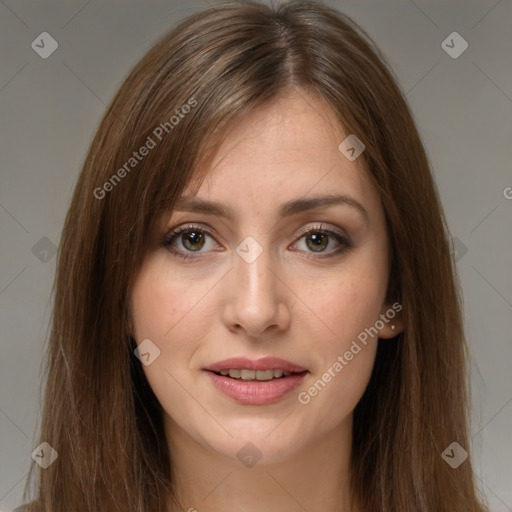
50,109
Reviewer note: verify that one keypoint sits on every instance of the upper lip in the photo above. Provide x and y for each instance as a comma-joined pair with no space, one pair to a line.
264,363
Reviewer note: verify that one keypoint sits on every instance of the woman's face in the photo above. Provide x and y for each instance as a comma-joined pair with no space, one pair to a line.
265,283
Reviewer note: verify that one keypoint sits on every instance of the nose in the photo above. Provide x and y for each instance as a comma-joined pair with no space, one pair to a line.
257,298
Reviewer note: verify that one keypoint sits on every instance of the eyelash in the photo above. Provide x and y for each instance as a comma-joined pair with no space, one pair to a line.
175,233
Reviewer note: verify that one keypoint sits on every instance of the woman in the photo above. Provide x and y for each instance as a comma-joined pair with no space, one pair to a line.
256,306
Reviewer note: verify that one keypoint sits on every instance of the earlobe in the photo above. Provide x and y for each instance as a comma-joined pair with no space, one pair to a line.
390,331
392,323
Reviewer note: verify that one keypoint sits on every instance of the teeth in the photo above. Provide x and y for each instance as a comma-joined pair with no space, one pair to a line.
255,375
264,374
244,374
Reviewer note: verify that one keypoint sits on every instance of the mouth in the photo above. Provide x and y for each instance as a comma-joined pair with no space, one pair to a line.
256,382
255,375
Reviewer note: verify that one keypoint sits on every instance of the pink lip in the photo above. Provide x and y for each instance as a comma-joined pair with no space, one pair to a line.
264,363
256,393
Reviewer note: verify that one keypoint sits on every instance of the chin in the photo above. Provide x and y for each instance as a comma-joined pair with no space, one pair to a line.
262,441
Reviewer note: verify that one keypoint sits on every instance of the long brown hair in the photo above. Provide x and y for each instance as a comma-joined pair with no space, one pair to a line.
99,413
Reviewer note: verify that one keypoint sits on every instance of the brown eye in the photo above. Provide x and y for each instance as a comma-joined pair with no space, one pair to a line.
193,240
318,240
187,240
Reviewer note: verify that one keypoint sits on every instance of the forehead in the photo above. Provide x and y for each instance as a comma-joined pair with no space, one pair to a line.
285,150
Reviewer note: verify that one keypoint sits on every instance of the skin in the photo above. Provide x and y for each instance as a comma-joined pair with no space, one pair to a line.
289,303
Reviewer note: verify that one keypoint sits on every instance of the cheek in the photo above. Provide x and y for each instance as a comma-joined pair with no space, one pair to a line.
175,313
161,301
344,363
152,302
162,305
347,304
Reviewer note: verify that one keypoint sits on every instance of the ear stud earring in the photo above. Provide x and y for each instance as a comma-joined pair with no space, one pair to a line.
392,327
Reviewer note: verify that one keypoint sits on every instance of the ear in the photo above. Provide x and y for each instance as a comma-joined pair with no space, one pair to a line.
391,320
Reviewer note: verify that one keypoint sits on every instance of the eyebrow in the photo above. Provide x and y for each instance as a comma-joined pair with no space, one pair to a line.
293,207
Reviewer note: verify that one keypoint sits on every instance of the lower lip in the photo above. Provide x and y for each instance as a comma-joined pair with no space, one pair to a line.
256,392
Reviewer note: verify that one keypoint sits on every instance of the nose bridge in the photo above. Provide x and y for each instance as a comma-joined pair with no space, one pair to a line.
256,298
253,272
